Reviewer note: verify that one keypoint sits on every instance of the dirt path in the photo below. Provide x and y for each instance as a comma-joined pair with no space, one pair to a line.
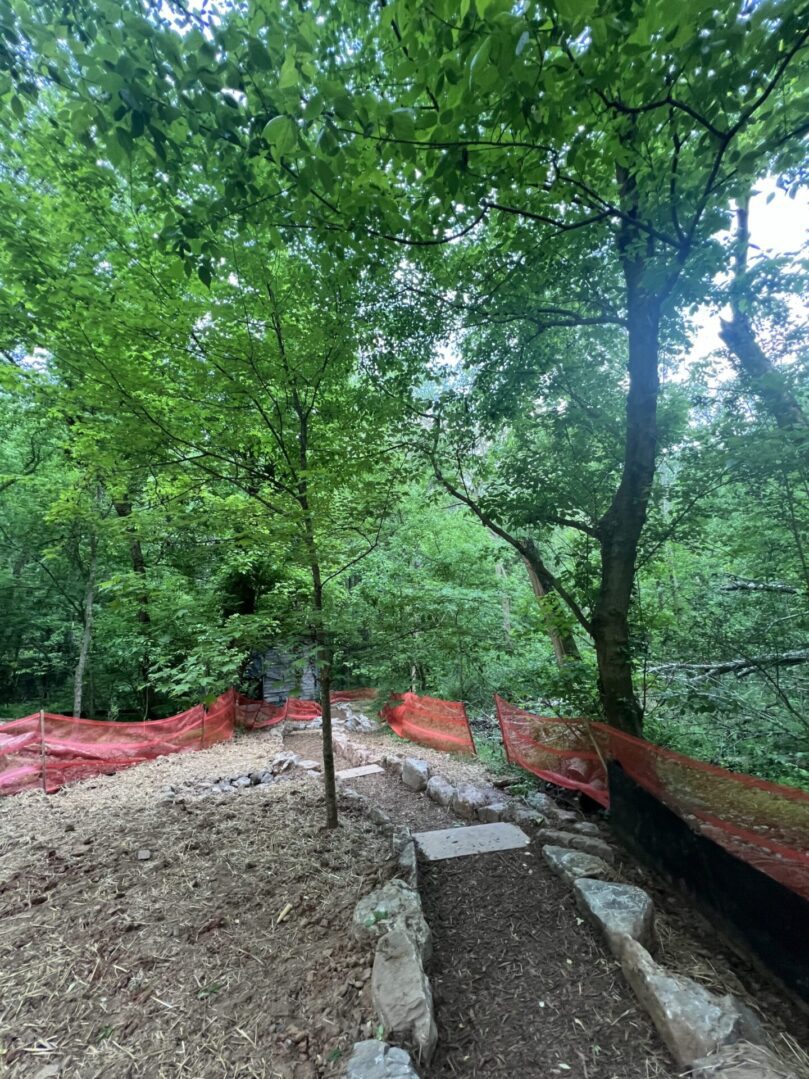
522,988
525,988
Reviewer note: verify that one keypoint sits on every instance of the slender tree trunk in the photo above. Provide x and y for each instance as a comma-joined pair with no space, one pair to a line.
322,639
562,641
620,528
124,510
87,632
505,604
764,378
326,657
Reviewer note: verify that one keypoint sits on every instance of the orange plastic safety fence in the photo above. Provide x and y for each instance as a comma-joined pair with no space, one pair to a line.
352,695
559,750
763,824
47,750
430,722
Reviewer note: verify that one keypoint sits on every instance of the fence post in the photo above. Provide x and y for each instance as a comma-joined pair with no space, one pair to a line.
42,756
202,738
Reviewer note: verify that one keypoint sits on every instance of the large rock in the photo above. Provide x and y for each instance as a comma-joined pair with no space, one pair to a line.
571,864
589,844
401,993
378,1060
393,906
619,910
440,790
494,812
468,800
692,1021
742,1061
415,774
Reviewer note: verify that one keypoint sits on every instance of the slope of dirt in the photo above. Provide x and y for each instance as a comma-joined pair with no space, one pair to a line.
140,937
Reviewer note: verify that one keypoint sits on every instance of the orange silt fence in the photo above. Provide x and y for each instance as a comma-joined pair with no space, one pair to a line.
763,824
430,722
47,751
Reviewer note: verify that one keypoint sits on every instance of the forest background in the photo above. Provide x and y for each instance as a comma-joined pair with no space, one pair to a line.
372,328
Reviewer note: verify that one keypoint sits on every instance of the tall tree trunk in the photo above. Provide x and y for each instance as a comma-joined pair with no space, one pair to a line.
620,528
562,641
124,510
87,632
764,378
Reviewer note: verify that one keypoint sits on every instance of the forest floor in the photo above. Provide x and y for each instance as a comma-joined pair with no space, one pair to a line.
140,936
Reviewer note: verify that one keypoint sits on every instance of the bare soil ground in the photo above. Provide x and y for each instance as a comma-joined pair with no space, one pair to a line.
114,964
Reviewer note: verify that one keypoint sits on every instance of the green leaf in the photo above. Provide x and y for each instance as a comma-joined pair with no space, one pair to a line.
281,133
403,123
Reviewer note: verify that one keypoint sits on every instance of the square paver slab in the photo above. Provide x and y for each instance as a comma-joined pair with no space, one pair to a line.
363,770
472,839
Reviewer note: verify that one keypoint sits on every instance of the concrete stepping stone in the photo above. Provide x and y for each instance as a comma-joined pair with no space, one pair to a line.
356,773
472,839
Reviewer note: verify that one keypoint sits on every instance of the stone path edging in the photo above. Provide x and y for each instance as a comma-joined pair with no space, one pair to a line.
400,988
699,1027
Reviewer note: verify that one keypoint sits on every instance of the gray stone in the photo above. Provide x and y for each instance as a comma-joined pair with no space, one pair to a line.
144,855
468,800
692,1021
354,721
571,864
400,838
494,812
619,910
440,790
585,827
378,1060
393,764
308,765
281,762
528,818
266,777
379,816
550,809
358,772
742,1061
472,839
401,993
542,802
415,774
589,844
241,781
393,906
222,787
546,805
255,778
407,864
